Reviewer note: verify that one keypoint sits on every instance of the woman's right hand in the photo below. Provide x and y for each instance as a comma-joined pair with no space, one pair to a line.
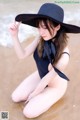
14,29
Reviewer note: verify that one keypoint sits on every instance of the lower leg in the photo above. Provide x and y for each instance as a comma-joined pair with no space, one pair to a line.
26,87
42,102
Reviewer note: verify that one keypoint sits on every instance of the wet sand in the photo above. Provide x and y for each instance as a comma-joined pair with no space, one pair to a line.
13,71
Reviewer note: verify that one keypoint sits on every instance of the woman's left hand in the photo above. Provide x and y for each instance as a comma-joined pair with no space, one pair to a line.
30,97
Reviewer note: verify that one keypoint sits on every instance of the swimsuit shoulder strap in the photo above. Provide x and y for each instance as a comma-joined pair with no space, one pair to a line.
66,53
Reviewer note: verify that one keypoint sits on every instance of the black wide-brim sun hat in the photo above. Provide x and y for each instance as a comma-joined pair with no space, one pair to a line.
50,11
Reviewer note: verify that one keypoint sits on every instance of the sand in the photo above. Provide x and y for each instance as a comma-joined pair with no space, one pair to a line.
13,71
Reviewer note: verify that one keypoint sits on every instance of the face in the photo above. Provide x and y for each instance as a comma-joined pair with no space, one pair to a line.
45,33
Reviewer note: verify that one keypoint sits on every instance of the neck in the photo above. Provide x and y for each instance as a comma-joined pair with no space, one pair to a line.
50,40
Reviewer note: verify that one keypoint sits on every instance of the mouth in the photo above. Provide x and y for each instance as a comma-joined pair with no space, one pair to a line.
43,36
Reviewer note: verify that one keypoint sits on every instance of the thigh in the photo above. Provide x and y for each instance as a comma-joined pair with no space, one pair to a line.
43,101
26,87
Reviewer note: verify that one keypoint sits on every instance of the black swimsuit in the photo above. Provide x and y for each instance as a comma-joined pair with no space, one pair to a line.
42,65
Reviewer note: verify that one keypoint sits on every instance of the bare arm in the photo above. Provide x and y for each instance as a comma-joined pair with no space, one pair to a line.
61,65
21,53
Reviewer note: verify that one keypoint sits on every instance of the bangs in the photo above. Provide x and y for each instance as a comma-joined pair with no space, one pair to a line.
49,24
41,21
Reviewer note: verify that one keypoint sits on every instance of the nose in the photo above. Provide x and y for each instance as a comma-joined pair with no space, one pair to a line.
41,31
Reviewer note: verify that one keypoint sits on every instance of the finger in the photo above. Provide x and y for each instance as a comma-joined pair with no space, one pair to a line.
13,27
26,101
17,23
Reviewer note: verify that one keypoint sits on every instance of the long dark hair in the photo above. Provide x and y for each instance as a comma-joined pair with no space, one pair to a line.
60,40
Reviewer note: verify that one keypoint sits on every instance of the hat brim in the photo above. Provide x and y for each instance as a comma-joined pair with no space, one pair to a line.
30,19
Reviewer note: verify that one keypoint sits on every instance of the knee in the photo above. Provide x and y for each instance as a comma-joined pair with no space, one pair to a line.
29,113
14,97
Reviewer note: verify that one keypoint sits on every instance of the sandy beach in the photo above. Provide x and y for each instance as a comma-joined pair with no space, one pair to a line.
13,71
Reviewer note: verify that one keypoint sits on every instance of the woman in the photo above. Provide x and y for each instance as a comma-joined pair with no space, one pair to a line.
48,84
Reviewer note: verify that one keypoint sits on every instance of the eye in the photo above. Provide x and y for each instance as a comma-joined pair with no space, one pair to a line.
44,27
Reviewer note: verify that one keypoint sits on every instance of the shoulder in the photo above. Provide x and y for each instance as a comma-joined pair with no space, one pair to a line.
65,52
64,59
66,49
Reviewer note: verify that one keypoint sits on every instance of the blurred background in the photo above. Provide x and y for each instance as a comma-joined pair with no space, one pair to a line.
10,8
13,71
